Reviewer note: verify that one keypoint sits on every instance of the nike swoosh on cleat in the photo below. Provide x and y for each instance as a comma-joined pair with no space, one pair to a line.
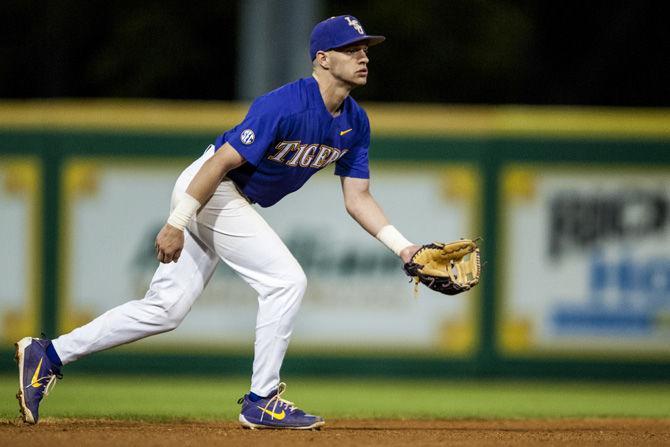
278,416
344,132
34,381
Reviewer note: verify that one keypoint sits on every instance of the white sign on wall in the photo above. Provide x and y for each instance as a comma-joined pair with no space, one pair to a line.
358,298
586,262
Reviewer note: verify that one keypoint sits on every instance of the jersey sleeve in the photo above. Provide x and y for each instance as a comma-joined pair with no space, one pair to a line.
257,132
355,162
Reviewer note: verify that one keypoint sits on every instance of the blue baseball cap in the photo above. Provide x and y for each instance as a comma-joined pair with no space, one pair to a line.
338,32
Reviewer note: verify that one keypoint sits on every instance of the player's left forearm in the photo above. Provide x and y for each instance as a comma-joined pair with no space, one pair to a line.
365,210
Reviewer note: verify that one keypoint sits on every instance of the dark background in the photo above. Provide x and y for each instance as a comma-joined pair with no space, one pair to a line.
611,53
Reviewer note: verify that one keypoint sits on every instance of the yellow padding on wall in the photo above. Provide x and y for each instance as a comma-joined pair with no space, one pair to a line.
386,119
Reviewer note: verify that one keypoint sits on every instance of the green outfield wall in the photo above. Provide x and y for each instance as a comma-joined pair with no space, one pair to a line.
573,205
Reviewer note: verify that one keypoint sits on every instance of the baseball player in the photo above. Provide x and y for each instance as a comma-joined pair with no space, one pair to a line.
287,136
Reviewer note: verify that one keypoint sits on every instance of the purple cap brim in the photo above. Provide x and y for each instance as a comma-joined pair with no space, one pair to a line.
370,40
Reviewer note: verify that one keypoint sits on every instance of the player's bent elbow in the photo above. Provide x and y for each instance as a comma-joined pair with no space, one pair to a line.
355,201
349,204
354,208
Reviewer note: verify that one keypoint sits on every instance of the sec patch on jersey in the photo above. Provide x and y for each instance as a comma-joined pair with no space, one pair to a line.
247,136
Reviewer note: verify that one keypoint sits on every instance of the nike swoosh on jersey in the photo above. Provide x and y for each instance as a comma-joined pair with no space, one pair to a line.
344,132
278,416
34,381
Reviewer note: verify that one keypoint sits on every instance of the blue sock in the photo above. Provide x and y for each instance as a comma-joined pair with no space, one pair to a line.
53,355
254,397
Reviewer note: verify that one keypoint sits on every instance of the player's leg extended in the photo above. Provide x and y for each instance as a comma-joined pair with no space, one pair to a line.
171,294
173,289
230,226
246,242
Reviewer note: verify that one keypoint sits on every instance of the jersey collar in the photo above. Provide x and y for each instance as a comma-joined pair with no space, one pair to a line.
316,100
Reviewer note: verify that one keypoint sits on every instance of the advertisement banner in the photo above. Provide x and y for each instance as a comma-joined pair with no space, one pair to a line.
586,263
358,298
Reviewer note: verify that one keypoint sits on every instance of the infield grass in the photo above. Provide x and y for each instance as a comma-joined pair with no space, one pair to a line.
207,398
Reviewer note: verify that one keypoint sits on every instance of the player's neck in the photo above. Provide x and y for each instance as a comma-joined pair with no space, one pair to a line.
332,92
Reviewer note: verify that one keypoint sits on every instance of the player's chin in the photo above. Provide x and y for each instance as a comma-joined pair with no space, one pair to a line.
360,79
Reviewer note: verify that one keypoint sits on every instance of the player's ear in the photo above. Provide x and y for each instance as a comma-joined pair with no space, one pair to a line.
321,60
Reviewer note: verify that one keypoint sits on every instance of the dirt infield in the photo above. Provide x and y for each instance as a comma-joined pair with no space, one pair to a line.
96,433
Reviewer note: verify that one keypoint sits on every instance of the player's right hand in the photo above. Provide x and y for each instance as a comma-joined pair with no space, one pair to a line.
407,252
169,244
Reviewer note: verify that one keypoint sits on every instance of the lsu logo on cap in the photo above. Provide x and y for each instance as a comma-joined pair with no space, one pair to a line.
247,136
355,25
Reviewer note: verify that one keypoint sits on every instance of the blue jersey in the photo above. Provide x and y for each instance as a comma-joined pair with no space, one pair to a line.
288,135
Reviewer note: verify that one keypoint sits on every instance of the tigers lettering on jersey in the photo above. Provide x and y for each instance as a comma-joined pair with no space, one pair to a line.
292,153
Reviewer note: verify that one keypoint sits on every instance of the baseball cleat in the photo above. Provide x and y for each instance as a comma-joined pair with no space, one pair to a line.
37,376
275,412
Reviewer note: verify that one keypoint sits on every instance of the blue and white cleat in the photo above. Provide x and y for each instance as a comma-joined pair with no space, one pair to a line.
275,412
37,376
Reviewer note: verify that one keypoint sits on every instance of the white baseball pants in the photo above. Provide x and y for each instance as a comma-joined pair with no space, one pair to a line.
226,228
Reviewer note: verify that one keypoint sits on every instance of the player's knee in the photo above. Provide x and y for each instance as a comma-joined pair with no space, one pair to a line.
172,320
291,286
166,313
297,282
